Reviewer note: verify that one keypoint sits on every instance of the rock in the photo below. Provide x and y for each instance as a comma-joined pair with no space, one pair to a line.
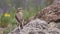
54,31
2,30
15,31
50,13
36,26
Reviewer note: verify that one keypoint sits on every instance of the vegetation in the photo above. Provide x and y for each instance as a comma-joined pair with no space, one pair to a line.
7,20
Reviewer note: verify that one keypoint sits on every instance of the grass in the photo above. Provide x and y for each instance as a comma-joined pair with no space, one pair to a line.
8,21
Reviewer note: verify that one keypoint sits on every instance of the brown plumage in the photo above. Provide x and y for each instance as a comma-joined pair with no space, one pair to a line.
19,17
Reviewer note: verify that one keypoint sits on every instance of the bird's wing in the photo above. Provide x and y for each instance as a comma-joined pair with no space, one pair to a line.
18,17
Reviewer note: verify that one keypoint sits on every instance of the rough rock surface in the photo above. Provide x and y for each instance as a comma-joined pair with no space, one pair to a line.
37,26
50,13
45,22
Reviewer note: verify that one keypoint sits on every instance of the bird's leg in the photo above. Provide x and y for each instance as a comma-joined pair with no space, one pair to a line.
21,25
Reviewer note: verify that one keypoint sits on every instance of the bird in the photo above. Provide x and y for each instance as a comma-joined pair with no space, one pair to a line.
19,17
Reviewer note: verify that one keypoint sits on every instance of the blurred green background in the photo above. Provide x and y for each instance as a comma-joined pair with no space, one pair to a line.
8,11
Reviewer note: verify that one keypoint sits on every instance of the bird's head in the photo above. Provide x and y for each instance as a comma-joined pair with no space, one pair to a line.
19,9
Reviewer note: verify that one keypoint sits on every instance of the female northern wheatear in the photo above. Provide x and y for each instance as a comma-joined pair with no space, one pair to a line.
19,17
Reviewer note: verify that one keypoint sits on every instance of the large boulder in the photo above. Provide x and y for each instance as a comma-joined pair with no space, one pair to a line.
50,13
36,26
